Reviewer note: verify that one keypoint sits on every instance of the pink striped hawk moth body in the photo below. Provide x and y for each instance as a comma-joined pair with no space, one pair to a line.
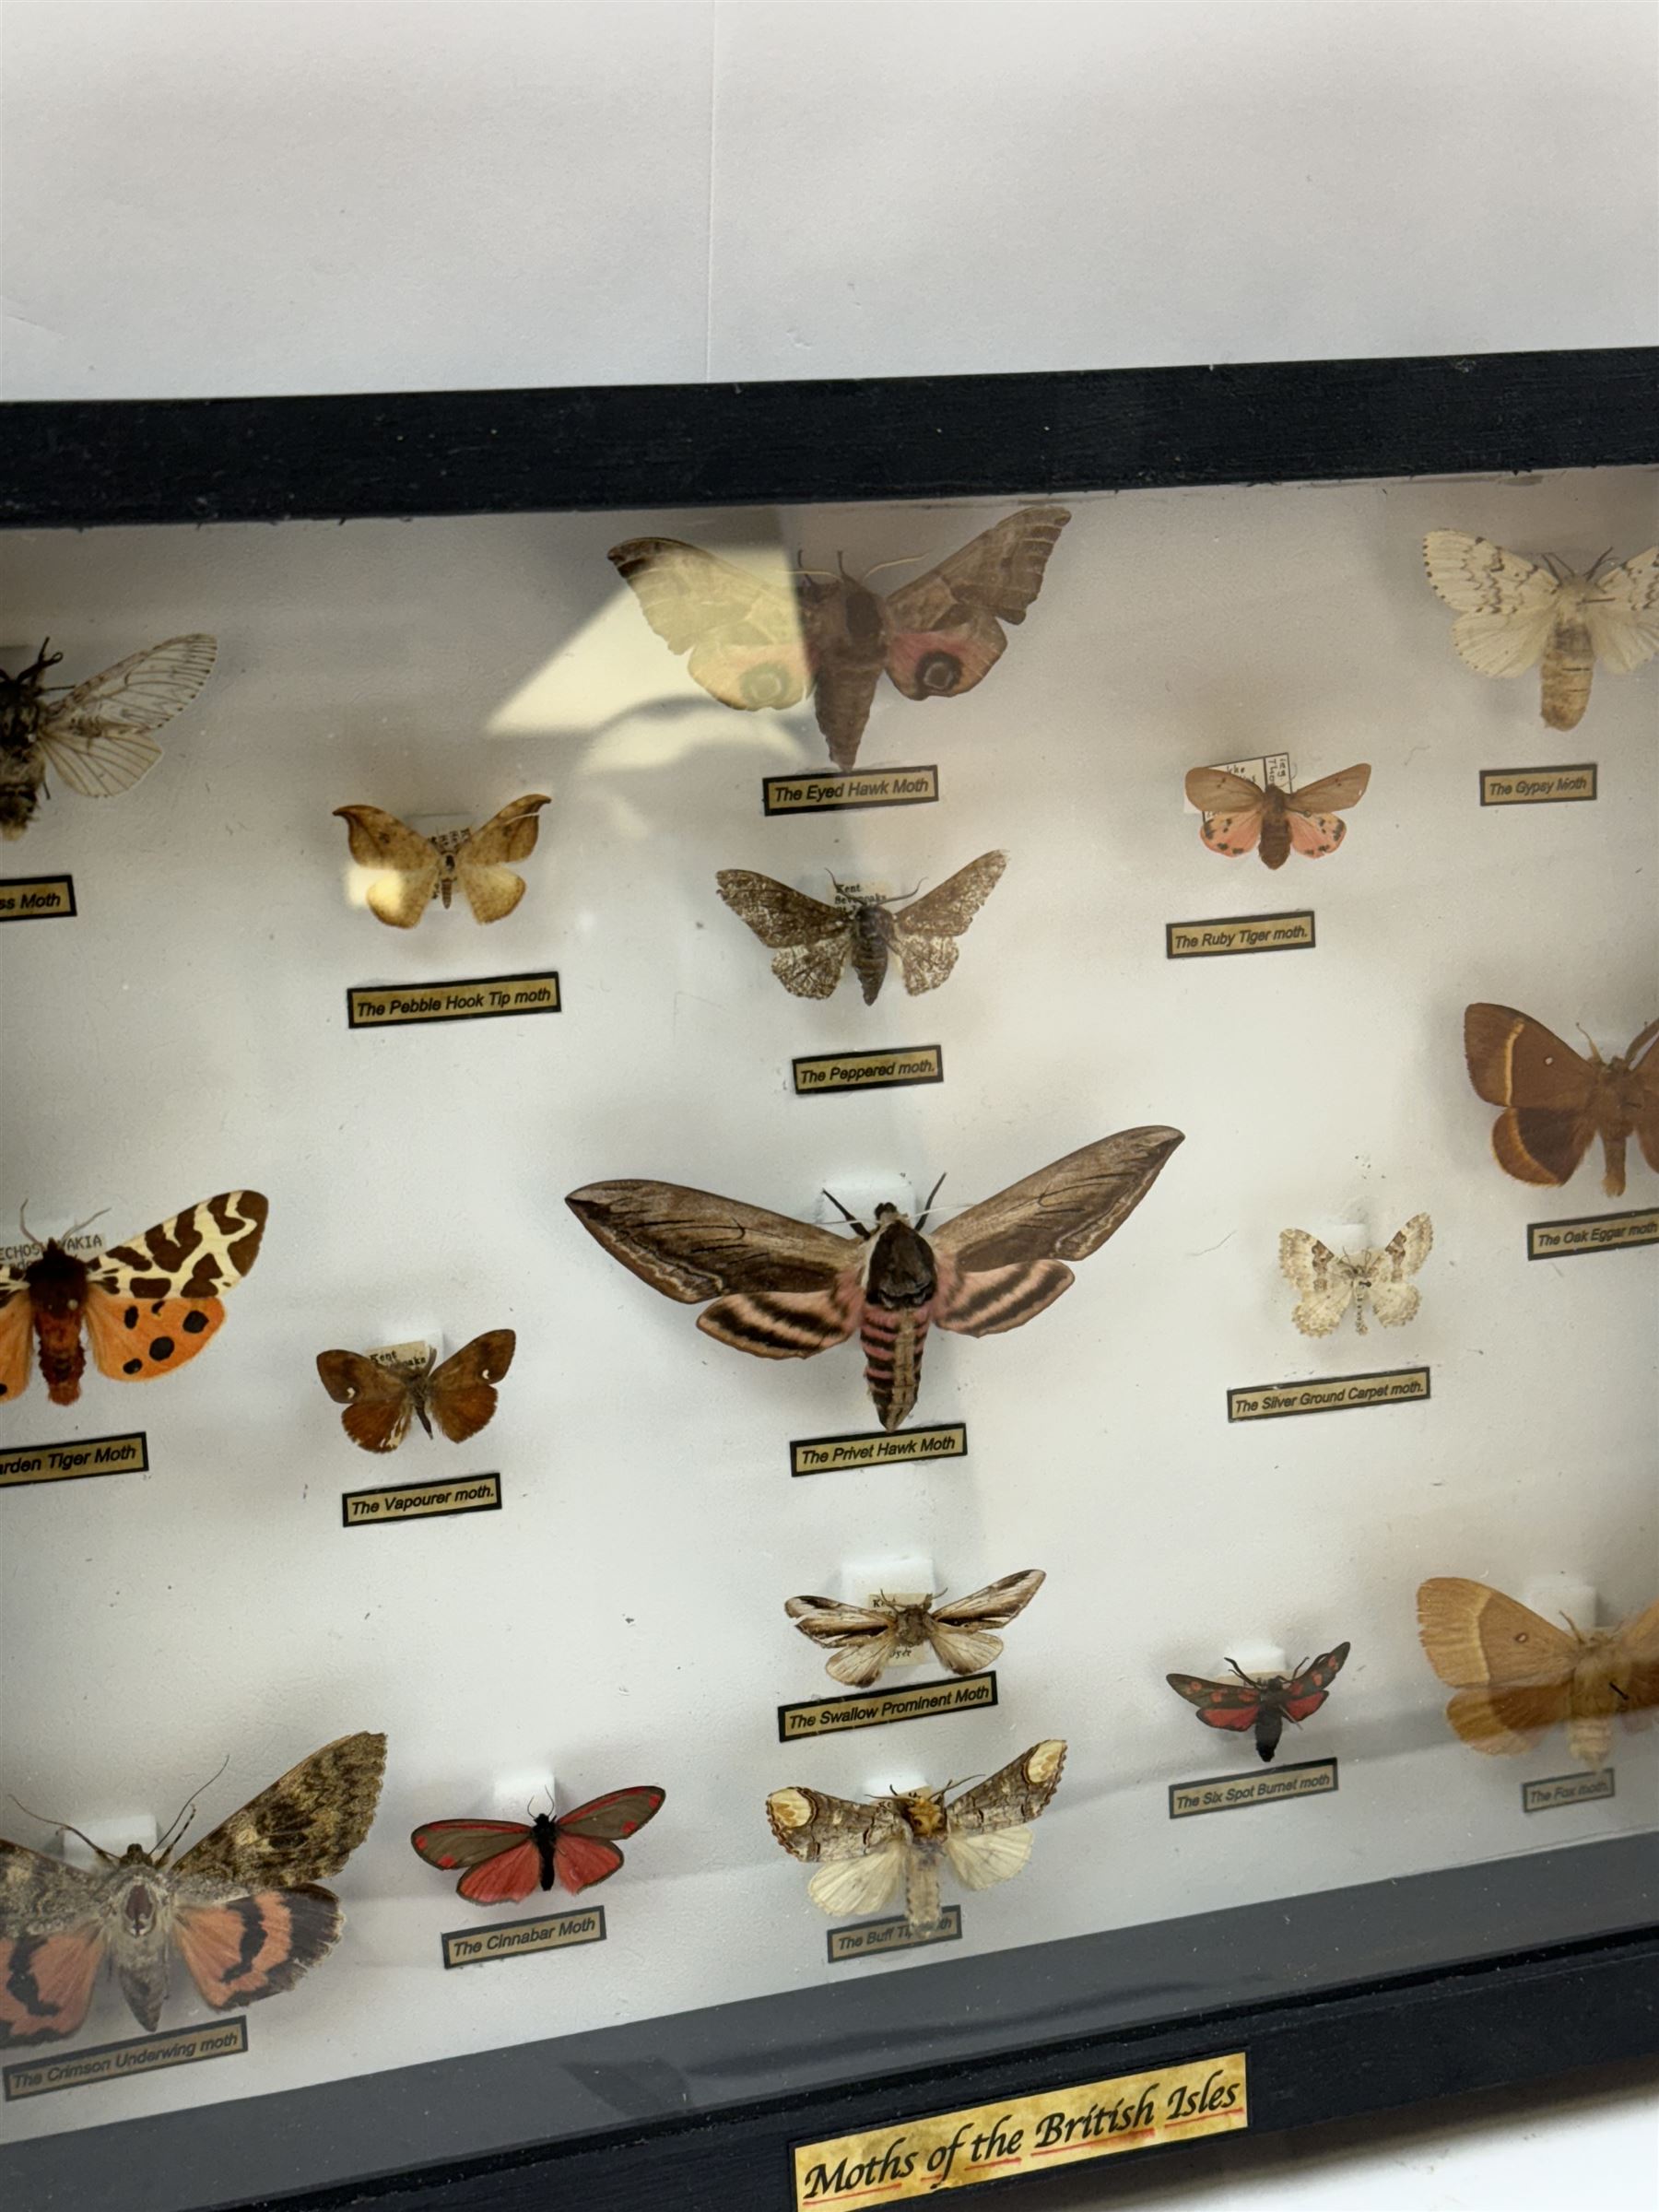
784,1289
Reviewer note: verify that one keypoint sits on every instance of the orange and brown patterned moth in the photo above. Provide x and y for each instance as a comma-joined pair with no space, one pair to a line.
1262,1703
787,1290
381,1395
242,1908
1557,1102
98,737
1241,815
863,1639
415,870
814,941
149,1305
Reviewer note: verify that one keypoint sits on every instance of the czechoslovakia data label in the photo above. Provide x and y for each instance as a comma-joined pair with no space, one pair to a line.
876,1708
824,791
1332,1393
868,1071
1237,1792
117,2062
1240,933
876,1938
877,1448
421,1500
1592,1233
476,998
1536,786
521,1939
36,897
1565,1789
67,1463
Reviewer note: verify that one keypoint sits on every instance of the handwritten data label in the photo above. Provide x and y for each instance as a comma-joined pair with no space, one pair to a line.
1565,1789
67,1463
36,897
824,791
1536,786
876,1938
868,1071
478,998
1592,1233
1333,1393
827,1454
1240,933
520,1938
1236,1793
421,1500
876,1708
119,2062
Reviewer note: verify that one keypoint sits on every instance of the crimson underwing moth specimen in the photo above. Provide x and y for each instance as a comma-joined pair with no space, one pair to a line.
756,644
1379,1278
417,870
813,941
787,1290
381,1397
1556,1103
504,1860
1241,815
97,737
863,1639
1262,1703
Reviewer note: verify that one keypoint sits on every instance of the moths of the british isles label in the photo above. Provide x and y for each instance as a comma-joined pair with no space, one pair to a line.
1592,1233
521,1938
1556,1790
876,1708
1237,1792
868,1071
421,1500
1329,1394
1240,933
68,1463
877,1448
119,2062
36,897
1536,786
876,1938
475,998
825,792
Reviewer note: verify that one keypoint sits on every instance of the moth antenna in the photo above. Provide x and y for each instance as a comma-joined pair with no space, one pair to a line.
845,1215
87,1223
169,1842
1594,1050
904,561
803,569
910,894
42,662
28,1233
1574,1626
927,1209
1301,1665
1240,1672
64,1828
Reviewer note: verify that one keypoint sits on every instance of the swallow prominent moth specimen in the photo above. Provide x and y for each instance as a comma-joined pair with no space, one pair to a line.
149,1305
756,645
787,1290
867,1853
1378,1279
504,1860
1264,1702
813,942
1557,1102
1514,614
864,1638
243,1907
419,869
98,737
1239,814
379,1396
1517,1674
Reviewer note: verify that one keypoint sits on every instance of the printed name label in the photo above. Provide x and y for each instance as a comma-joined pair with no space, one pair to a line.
1336,1393
1592,1233
874,1708
875,1938
826,1454
519,1938
1306,1778
421,1500
824,791
1026,2135
1536,786
116,2062
1565,1789
869,1071
476,998
36,897
67,1463
1240,933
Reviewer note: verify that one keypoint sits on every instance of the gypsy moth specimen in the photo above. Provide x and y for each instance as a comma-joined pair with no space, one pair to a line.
242,1908
1241,814
1557,1102
814,941
1514,614
379,1396
1377,1278
504,1860
1517,1674
419,869
754,644
1263,1702
867,1853
864,1638
99,736
788,1289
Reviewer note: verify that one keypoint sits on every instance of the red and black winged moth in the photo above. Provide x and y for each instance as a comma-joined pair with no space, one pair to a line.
1264,1702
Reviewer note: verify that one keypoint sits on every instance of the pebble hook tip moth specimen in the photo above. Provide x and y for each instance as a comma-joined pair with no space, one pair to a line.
1378,1278
504,1860
864,1638
98,737
416,870
1239,815
814,941
786,1290
1557,1102
1264,1702
379,1396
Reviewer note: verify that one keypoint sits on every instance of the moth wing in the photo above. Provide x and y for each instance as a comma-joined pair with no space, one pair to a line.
812,940
1314,835
1063,1212
1505,1722
504,1877
1015,1794
947,632
812,1825
982,1859
134,1341
1325,1281
581,1861
409,863
1395,1299
1515,1062
16,1320
1331,794
1474,1635
200,1253
1622,613
1221,1704
847,1886
1636,1659
1642,1059
617,1813
745,637
961,1632
1306,1692
1505,605
460,1394
452,1844
924,933
493,889
98,737
863,1639
51,1944
303,1828
377,1399
242,1948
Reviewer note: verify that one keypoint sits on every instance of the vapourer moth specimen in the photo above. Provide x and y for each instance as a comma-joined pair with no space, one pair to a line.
504,1860
1239,814
379,1395
99,736
419,869
865,1637
1514,614
243,1907
867,1853
1557,1102
1517,1674
756,644
1330,1284
814,941
788,1289
1263,1702
149,1305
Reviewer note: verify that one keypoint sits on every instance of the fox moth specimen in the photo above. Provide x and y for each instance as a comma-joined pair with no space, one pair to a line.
866,1637
1240,813
1517,1674
815,941
380,1395
1378,1280
788,1289
97,737
867,1853
149,1305
243,1907
1557,1102
419,869
1264,1702
506,1859
757,644
1513,613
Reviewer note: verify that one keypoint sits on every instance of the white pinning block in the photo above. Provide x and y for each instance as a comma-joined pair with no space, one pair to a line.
1257,1659
439,825
1349,1238
114,1832
891,1779
903,1581
522,1796
860,1195
1558,1596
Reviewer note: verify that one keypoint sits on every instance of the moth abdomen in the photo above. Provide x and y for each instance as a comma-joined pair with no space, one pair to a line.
1569,668
1275,829
22,773
892,1342
872,930
1269,1727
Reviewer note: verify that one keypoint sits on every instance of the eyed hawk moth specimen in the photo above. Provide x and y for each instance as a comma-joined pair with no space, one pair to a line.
756,644
380,1395
1378,1279
242,1908
419,869
1239,814
1264,1702
504,1860
1513,613
98,737
1556,1103
149,1305
867,1853
864,1638
814,941
1517,1674
788,1289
